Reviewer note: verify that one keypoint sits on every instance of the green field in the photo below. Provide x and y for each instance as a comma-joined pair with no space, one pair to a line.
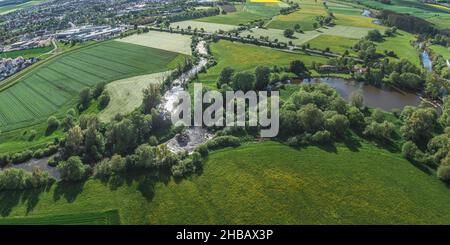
438,16
264,183
309,9
245,13
207,26
335,43
401,45
54,85
346,32
27,53
246,57
444,51
93,218
11,8
161,40
126,94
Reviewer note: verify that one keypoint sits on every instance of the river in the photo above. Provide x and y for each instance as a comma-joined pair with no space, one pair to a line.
426,61
383,98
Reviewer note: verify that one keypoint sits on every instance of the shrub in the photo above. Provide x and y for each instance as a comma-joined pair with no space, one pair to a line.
222,142
13,179
21,157
184,168
73,169
4,160
53,122
32,135
322,137
38,153
411,152
52,161
202,149
103,100
98,90
443,172
153,141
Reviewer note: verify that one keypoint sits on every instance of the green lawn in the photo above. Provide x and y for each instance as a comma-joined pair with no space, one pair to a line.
27,53
444,51
401,45
262,183
110,217
53,86
335,43
246,57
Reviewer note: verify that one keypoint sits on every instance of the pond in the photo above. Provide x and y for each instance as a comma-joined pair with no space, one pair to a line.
41,164
383,98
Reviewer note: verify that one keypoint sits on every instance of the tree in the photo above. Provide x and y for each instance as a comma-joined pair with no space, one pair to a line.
244,81
98,90
411,152
152,97
74,141
419,125
338,125
443,172
225,77
262,74
121,137
84,98
311,118
289,33
380,131
94,145
297,28
103,100
73,169
298,68
375,35
52,123
146,156
356,99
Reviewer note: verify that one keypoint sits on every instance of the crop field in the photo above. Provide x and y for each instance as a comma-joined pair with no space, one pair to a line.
401,45
244,57
305,16
110,217
343,8
438,16
173,42
11,8
126,94
55,84
208,27
348,32
245,13
444,51
27,53
335,43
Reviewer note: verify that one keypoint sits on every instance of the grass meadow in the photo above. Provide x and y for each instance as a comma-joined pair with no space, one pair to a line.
27,53
244,57
260,183
207,26
173,42
53,86
110,217
444,51
401,45
126,94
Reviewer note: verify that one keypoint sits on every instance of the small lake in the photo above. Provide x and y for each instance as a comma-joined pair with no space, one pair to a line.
383,98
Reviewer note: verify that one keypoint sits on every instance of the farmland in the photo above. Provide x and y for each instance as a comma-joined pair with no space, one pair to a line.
246,57
27,53
301,38
52,87
265,183
126,94
438,16
245,13
11,8
161,40
305,16
208,27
